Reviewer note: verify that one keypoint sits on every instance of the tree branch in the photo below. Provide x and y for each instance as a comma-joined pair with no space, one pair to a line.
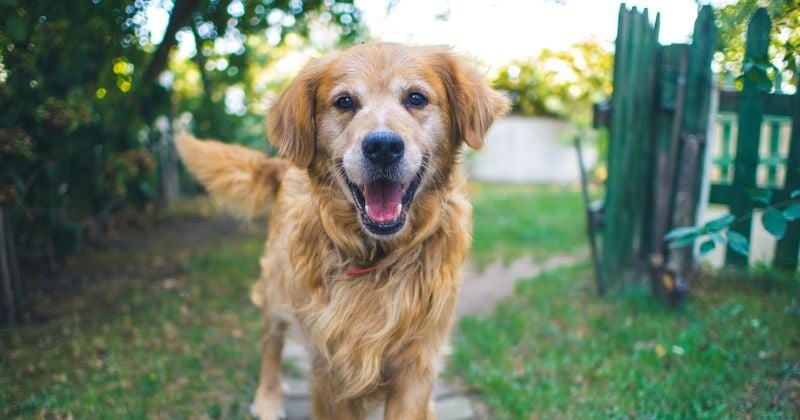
178,19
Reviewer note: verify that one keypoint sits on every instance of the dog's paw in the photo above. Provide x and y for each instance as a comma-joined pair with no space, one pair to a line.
267,408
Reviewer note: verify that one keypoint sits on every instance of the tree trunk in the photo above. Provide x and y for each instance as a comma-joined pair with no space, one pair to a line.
5,273
180,16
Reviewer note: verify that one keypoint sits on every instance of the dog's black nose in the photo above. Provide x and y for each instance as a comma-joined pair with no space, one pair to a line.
383,148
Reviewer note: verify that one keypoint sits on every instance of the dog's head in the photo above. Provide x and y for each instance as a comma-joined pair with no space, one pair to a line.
383,123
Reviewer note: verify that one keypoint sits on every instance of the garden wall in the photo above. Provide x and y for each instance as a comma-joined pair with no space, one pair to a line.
527,149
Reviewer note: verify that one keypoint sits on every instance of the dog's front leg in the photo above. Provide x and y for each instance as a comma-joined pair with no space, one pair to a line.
268,403
326,405
409,396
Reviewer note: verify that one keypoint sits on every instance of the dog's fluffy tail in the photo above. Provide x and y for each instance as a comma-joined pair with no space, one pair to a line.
243,180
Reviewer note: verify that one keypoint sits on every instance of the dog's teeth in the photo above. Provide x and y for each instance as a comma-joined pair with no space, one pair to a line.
366,208
398,209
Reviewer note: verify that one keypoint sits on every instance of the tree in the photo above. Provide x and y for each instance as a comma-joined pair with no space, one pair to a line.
560,83
784,40
81,90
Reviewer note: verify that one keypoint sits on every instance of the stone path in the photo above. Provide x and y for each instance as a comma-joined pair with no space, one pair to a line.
479,294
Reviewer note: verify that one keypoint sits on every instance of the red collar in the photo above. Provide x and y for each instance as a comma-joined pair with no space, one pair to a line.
360,271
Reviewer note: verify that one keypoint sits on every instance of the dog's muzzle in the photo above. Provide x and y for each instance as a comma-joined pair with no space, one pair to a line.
385,196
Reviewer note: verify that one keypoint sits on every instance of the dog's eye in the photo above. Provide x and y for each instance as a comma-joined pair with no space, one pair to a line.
416,100
344,102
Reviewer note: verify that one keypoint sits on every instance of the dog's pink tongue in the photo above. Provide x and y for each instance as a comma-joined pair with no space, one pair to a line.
383,200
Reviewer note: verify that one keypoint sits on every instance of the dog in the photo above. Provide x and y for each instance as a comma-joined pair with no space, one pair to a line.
368,225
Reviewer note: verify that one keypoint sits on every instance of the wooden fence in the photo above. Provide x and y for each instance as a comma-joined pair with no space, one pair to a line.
657,125
758,135
658,120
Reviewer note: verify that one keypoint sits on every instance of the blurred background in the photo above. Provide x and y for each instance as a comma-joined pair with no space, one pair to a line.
635,239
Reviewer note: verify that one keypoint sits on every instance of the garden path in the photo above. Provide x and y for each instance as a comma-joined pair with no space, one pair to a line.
480,292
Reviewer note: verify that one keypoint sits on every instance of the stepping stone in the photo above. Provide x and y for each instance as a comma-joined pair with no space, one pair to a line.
298,388
297,408
457,407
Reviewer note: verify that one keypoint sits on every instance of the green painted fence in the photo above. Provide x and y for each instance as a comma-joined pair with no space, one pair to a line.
757,146
658,120
659,113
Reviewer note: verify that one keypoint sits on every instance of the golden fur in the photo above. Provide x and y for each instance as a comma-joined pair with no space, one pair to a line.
379,334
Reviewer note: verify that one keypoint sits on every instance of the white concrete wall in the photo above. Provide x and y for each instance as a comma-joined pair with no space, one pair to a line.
528,149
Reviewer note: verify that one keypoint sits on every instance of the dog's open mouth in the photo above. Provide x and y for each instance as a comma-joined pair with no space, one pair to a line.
383,204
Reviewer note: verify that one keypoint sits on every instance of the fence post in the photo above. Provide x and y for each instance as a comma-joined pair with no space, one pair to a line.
751,112
630,141
611,244
694,125
786,249
674,64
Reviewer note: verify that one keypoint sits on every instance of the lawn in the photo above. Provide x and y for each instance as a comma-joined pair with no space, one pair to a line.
515,220
557,350
183,346
182,340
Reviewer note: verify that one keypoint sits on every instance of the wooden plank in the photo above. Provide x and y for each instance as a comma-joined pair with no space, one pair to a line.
726,160
673,64
614,185
694,122
645,145
646,140
592,217
774,160
673,67
628,216
751,111
628,195
642,169
778,104
786,249
724,193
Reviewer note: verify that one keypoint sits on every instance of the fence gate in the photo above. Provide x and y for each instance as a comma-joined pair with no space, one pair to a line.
659,115
658,123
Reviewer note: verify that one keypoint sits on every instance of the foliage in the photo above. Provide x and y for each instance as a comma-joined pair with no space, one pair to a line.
556,350
236,44
717,232
560,83
82,87
784,39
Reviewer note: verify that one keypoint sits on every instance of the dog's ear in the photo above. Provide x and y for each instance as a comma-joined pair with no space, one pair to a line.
473,104
290,120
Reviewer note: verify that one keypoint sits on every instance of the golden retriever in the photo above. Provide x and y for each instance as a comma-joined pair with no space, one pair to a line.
368,226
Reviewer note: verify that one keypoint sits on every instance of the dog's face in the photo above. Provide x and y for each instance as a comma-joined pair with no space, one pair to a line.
383,123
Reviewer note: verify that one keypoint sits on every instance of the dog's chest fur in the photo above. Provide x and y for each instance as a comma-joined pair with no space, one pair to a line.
365,326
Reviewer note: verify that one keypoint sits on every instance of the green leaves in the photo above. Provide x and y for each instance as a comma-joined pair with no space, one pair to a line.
16,28
719,223
682,232
738,243
775,218
774,222
792,212
706,247
760,197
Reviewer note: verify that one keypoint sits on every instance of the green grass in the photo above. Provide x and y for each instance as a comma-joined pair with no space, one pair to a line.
539,221
556,350
181,347
176,336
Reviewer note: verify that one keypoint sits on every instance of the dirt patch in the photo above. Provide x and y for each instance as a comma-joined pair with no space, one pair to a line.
482,291
90,281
